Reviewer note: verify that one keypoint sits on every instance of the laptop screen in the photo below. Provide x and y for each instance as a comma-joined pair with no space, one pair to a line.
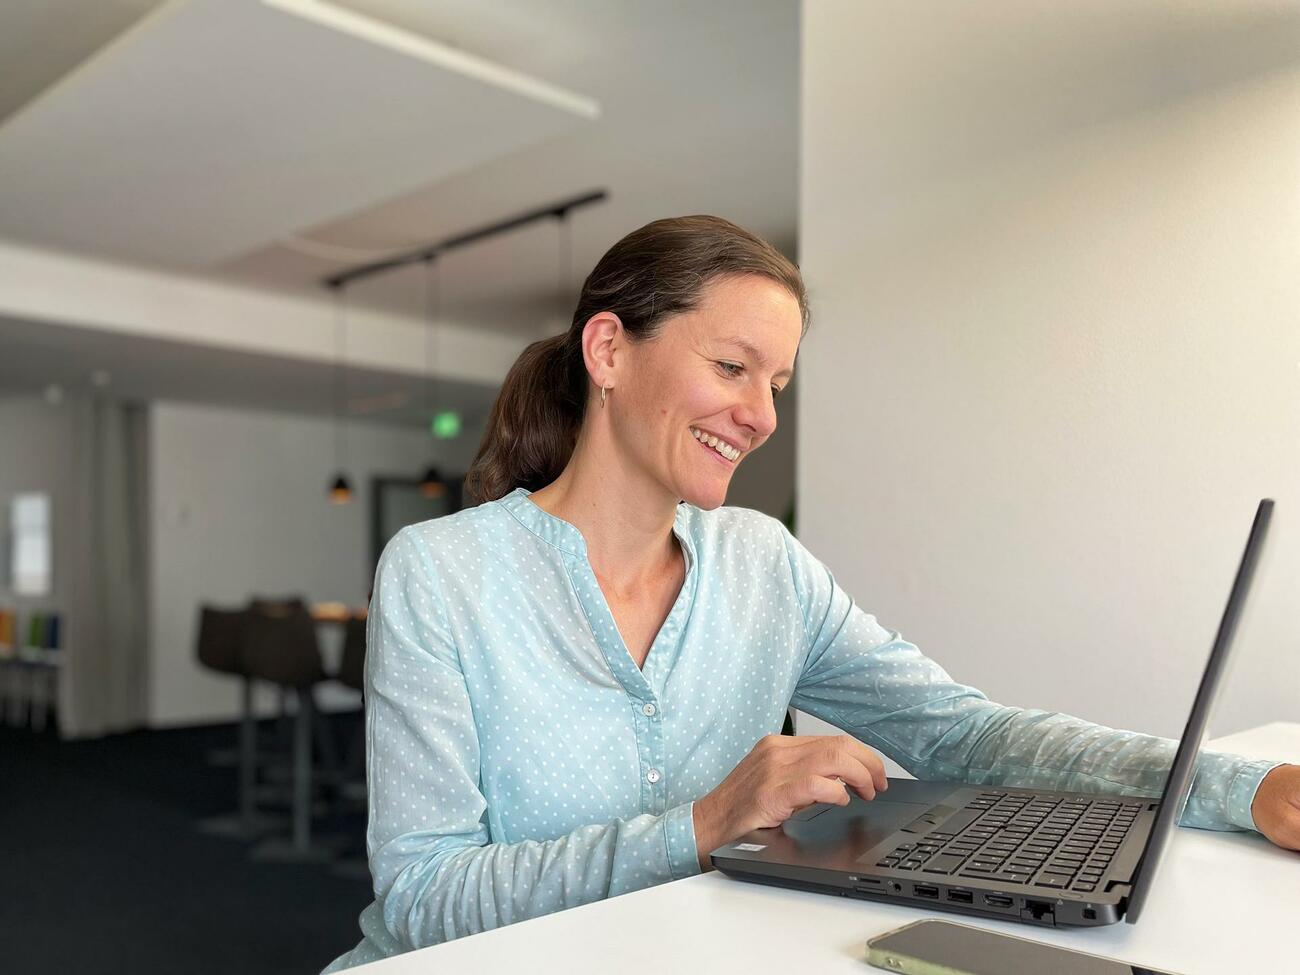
1179,783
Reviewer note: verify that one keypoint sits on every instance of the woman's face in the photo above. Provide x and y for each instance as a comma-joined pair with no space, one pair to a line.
712,372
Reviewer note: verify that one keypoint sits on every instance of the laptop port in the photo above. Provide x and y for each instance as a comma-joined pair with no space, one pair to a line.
1038,911
998,900
925,890
961,896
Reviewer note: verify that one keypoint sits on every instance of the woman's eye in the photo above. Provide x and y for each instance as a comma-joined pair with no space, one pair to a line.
728,366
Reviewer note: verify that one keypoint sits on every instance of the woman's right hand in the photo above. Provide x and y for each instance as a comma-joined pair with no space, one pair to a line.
783,774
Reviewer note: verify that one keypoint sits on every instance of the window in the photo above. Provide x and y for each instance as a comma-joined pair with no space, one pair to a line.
30,525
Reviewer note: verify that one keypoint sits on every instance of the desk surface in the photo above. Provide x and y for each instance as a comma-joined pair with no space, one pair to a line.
716,924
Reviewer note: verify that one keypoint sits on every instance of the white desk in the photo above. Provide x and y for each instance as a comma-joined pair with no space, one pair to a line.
712,923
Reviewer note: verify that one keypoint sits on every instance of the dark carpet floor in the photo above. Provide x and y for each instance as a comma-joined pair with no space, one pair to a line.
103,868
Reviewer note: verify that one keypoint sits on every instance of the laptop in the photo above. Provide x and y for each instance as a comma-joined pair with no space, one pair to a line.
1030,855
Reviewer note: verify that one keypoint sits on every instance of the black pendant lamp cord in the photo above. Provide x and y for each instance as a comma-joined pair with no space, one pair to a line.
432,295
340,379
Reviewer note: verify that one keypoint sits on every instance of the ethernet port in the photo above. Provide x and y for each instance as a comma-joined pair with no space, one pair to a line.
1039,911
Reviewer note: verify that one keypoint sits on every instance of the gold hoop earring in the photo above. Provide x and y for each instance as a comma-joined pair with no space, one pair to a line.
602,397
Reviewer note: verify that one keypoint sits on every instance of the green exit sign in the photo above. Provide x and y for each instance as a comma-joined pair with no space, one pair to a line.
446,425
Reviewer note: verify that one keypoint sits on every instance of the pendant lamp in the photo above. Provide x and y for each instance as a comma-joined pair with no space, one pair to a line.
340,491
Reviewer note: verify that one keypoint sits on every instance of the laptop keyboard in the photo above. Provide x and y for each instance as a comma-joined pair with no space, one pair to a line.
1065,843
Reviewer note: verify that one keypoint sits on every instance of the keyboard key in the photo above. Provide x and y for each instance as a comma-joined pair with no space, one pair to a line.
1052,880
959,820
943,863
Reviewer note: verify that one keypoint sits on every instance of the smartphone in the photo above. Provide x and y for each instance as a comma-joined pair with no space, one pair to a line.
933,947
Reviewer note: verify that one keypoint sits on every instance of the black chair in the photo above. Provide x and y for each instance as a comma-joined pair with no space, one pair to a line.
221,632
279,646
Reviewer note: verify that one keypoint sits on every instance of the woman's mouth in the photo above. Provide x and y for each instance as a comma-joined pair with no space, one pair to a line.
723,451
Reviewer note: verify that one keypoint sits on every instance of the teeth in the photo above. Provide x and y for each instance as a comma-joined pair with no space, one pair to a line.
721,446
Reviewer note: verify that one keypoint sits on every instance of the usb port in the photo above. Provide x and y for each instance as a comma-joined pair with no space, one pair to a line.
997,900
961,896
925,890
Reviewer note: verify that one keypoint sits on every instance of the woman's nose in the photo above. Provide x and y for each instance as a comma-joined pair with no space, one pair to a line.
759,413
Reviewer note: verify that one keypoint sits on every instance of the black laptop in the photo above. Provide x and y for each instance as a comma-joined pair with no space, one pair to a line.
1050,858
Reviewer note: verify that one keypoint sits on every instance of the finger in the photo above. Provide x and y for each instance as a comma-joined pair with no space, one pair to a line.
842,748
821,788
872,760
839,763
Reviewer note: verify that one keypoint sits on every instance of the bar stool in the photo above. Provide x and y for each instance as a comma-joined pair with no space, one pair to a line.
219,648
279,646
279,606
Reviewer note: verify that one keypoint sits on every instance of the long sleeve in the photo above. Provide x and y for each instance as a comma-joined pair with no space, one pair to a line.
871,683
437,874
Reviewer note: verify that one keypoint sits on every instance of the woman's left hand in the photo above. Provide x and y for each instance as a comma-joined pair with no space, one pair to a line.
1276,808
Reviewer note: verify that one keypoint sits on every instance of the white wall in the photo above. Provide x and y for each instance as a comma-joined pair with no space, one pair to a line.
238,508
1055,356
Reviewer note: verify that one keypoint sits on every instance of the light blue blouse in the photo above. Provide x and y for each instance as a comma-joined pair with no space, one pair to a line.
520,763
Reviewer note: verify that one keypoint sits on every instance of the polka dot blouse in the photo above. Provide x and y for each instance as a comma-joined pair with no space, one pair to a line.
520,762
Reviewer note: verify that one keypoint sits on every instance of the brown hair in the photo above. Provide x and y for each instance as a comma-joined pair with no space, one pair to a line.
651,274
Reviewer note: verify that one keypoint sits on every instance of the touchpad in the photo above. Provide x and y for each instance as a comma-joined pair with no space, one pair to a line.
860,825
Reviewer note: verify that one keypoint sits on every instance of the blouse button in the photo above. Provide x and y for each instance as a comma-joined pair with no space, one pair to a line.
648,710
652,776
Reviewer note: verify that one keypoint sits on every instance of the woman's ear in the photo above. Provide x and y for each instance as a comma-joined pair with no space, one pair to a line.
602,344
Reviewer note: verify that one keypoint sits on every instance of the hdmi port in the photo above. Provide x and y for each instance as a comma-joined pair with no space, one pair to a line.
925,890
997,900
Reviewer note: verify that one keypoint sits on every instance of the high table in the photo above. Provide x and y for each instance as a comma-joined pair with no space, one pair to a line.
1222,902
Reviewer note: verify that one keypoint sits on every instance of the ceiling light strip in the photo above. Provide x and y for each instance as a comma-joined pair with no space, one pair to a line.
426,49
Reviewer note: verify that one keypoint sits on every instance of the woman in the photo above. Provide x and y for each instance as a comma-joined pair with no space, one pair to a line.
574,688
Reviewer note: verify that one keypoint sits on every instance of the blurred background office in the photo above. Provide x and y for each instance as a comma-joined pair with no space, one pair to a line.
264,264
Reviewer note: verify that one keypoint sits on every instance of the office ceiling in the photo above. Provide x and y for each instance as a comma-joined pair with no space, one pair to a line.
697,113
212,126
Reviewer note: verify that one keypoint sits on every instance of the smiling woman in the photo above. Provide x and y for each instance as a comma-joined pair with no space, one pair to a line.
574,689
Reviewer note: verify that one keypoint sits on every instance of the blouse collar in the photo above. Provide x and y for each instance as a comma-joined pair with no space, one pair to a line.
565,536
